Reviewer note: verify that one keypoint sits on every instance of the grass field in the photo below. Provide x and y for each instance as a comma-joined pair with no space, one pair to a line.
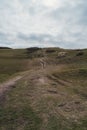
52,96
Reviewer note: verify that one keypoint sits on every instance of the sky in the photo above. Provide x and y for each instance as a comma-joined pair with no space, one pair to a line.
43,23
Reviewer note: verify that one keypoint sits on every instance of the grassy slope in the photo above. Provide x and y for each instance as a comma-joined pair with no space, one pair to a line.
11,62
58,104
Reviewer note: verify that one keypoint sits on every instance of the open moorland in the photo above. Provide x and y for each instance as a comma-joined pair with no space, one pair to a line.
43,89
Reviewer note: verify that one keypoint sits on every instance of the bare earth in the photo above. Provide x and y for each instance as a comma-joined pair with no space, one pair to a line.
4,87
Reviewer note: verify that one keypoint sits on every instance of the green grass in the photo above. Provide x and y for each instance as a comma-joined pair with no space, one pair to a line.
58,105
19,118
12,62
56,123
16,113
9,67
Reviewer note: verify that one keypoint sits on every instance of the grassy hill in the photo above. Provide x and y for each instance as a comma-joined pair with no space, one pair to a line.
52,93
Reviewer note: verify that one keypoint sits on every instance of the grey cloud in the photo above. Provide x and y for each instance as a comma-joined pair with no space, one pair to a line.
6,43
35,37
83,14
43,39
71,14
64,26
3,36
4,40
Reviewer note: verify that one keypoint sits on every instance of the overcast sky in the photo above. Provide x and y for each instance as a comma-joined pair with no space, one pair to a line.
43,23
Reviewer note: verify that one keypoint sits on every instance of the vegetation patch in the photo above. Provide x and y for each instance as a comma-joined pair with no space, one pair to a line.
19,118
49,98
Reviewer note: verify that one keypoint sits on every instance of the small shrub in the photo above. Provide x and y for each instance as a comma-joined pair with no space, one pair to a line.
83,72
80,54
50,51
32,49
5,48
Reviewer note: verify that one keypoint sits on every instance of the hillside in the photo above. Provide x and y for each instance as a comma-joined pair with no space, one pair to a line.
43,89
5,48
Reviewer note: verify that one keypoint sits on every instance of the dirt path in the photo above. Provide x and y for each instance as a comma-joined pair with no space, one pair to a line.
5,87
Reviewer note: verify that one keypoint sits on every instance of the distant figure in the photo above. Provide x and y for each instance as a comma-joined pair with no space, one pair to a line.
43,64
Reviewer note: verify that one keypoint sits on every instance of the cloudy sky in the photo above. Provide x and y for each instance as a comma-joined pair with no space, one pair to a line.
43,23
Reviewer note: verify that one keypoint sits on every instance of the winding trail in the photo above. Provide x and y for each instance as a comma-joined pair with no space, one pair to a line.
9,84
6,86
